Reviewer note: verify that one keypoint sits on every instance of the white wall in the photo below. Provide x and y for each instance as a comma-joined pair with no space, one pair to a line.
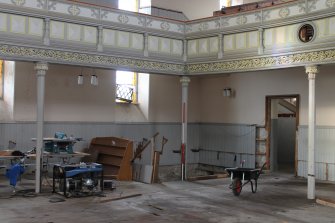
248,105
144,93
67,101
165,99
194,9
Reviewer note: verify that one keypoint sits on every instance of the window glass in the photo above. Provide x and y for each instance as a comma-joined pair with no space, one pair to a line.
126,86
129,5
306,33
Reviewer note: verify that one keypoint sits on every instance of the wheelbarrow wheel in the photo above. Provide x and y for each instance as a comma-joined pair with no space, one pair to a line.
237,186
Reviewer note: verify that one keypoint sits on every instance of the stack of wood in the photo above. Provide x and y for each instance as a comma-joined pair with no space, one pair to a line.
148,173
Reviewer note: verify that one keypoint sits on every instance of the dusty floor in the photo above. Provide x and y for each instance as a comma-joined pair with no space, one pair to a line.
280,198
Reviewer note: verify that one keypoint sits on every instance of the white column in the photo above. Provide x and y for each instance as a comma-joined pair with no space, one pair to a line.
46,36
184,98
220,53
260,41
146,45
100,39
311,71
41,69
184,50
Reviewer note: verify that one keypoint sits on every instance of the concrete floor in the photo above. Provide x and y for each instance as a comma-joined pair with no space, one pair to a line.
280,198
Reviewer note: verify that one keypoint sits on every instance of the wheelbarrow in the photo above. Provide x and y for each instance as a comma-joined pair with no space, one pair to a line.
241,176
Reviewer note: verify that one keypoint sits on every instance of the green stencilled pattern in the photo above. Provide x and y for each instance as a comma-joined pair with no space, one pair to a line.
49,55
73,57
326,56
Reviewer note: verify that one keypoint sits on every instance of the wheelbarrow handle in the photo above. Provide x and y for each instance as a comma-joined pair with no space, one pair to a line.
263,166
260,171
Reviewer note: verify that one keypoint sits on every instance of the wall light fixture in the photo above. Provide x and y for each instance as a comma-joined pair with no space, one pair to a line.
94,80
227,92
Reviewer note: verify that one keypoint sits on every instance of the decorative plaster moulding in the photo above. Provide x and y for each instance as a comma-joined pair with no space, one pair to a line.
249,64
63,57
118,18
263,63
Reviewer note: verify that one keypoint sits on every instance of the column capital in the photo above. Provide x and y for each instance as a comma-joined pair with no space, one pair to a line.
41,68
311,70
184,80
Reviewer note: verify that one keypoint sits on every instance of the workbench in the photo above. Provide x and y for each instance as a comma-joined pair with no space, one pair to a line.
64,158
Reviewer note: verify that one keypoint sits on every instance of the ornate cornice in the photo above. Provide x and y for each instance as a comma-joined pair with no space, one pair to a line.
261,63
41,66
51,55
249,64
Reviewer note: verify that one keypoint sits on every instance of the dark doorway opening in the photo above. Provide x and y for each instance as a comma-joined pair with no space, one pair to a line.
282,120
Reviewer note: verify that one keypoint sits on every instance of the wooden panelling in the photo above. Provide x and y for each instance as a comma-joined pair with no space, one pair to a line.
115,154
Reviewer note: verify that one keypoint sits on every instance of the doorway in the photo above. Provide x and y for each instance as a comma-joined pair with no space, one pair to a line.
282,121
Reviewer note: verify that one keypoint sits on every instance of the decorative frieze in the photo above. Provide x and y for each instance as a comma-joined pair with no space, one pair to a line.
284,12
299,59
30,53
330,3
325,56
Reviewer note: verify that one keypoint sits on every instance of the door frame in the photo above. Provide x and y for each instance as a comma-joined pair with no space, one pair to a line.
268,99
